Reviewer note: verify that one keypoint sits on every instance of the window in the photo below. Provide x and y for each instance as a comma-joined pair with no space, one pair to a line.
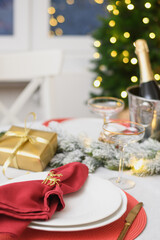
34,24
6,17
14,25
44,34
74,17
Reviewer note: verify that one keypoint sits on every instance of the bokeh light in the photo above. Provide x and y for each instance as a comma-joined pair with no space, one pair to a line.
112,23
126,34
147,5
97,43
125,53
96,55
134,79
157,76
152,35
123,94
113,53
134,61
113,39
145,20
125,60
130,6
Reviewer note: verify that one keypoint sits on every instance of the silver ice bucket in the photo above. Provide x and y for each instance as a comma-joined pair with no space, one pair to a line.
144,111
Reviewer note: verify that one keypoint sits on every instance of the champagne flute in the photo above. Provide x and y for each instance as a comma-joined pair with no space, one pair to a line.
122,133
105,107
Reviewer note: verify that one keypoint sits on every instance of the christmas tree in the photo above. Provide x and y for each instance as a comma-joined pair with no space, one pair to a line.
115,62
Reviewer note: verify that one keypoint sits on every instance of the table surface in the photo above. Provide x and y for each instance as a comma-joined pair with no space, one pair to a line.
146,190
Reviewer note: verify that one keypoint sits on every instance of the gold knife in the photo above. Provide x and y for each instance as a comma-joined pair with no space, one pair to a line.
130,219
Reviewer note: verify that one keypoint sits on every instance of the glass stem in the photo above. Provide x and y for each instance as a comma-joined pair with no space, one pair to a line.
106,118
121,163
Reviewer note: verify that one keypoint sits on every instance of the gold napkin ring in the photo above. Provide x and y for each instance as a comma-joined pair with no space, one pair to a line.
52,179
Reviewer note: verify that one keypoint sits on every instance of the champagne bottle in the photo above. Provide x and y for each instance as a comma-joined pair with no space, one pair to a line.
148,86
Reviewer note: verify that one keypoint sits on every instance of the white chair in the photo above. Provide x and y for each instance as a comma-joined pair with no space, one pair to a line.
35,67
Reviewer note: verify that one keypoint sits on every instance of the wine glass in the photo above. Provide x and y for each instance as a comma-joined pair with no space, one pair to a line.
122,133
106,106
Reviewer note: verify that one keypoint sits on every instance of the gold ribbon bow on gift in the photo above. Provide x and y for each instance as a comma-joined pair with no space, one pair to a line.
23,138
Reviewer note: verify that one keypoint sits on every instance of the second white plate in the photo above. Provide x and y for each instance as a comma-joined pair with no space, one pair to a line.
115,216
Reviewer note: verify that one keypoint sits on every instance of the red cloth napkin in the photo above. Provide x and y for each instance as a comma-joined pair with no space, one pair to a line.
22,202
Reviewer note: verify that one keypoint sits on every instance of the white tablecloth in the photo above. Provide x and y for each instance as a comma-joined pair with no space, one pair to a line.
146,190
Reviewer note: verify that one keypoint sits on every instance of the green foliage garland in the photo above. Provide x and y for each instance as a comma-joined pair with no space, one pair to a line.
141,158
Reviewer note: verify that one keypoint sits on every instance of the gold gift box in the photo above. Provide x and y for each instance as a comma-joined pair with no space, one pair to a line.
30,156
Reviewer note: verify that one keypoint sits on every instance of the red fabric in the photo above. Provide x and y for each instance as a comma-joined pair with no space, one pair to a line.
22,202
108,232
46,123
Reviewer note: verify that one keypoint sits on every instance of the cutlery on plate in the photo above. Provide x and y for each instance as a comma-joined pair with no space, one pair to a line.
129,220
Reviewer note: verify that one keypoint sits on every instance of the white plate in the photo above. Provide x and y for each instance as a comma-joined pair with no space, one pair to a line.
97,199
115,216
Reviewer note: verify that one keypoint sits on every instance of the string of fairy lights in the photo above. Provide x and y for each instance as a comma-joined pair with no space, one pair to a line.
113,40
